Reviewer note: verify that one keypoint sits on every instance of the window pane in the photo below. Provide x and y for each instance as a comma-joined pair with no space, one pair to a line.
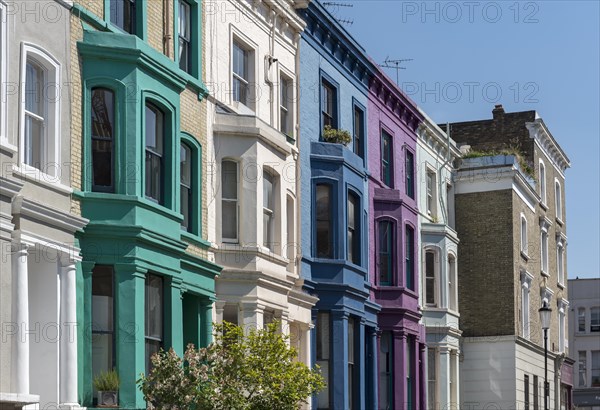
102,129
33,141
358,131
229,179
353,228
385,370
122,14
596,368
102,319
581,319
595,319
229,221
240,61
154,307
409,170
34,85
409,266
582,363
184,36
385,252
323,352
324,234
267,190
430,278
431,374
154,150
386,158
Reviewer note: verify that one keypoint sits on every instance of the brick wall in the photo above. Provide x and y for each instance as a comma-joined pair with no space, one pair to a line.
486,275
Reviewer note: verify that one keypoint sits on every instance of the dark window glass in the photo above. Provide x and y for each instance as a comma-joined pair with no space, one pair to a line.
153,317
409,250
526,391
430,278
323,354
122,15
386,158
595,319
410,171
324,240
185,36
154,153
385,265
35,113
386,382
328,104
359,125
103,135
354,228
351,360
536,392
285,106
186,199
103,329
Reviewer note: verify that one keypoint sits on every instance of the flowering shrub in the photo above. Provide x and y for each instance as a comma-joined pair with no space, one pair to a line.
336,136
257,371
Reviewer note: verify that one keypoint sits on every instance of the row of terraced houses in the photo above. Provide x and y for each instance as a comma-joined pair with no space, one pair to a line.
164,167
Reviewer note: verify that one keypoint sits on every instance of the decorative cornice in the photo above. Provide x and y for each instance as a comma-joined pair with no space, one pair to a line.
53,217
436,139
542,136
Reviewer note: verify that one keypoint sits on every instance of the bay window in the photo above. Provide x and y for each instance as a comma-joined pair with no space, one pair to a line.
229,201
354,233
324,228
103,329
385,241
185,184
154,172
153,313
268,210
103,139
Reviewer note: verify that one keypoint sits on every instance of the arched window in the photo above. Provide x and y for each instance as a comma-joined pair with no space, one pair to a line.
431,297
409,257
558,199
103,139
269,215
452,283
186,186
524,245
155,144
542,180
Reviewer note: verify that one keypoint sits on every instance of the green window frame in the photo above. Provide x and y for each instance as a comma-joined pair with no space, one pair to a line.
191,183
190,39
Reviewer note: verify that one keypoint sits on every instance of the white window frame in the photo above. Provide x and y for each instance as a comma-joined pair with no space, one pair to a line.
558,199
563,306
431,192
237,201
245,44
270,212
287,76
579,310
526,280
542,178
51,144
3,77
544,254
524,239
436,274
560,259
452,282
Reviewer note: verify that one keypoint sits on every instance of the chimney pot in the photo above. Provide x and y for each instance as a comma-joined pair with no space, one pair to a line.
498,111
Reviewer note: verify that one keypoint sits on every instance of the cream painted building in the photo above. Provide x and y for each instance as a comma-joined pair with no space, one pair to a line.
39,255
251,61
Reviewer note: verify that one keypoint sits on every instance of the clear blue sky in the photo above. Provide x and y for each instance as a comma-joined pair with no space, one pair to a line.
541,56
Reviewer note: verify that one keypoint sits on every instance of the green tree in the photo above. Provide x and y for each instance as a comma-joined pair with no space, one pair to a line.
254,371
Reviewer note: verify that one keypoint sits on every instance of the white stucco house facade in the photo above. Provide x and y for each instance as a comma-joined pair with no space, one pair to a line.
39,256
438,259
251,61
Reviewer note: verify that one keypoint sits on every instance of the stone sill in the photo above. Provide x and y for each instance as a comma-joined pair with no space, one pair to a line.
19,399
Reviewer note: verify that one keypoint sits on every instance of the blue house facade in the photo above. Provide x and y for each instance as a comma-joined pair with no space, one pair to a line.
334,78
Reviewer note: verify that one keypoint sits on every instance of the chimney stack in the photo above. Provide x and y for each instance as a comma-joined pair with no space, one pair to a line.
498,111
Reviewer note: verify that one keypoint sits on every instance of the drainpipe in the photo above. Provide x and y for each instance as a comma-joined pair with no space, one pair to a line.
166,23
269,61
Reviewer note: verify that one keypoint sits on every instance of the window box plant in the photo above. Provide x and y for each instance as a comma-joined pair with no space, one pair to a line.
107,385
336,136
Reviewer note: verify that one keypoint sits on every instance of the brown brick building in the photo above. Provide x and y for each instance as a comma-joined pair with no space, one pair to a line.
510,216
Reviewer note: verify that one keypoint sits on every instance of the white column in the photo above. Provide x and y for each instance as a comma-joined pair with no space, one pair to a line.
20,315
68,339
444,377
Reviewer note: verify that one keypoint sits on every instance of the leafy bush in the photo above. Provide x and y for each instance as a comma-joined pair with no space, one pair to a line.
257,371
107,381
336,136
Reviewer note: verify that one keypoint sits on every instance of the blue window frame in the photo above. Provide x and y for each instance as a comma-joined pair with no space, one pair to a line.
387,165
409,170
385,255
409,257
358,140
354,228
329,93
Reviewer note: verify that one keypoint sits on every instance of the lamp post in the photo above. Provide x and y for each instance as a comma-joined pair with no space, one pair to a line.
545,315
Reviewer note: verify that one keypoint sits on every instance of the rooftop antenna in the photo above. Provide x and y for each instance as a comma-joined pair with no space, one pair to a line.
395,64
337,4
345,21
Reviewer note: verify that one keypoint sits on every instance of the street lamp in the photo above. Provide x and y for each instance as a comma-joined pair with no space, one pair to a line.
545,315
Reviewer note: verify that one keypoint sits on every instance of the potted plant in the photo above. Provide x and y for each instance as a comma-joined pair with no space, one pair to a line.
107,385
336,136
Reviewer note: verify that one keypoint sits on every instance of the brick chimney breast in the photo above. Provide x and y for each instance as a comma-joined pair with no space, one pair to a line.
498,111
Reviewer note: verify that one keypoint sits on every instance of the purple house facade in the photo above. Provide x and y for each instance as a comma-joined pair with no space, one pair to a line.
393,234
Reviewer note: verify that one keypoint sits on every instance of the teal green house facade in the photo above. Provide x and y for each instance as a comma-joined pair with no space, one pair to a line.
145,282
